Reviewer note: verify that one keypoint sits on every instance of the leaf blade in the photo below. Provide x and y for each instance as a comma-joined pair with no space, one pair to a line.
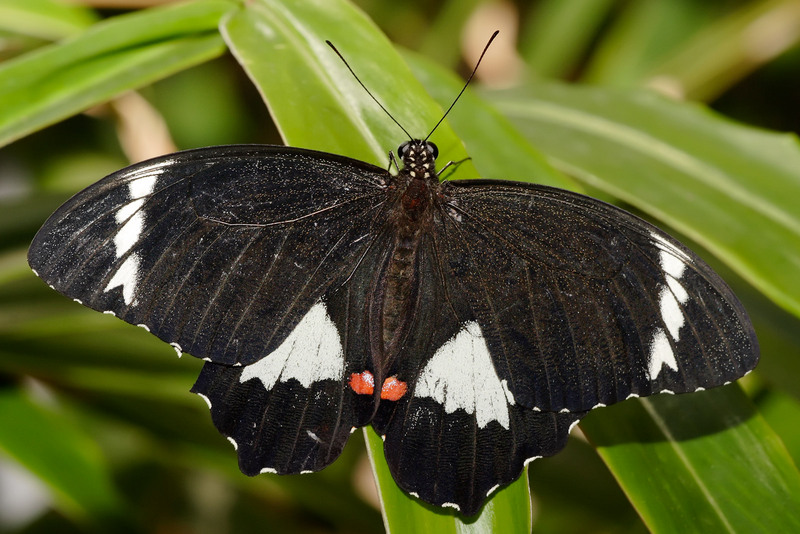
720,469
58,81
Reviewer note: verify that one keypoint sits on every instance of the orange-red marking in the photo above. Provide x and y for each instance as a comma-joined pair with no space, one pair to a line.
364,384
393,389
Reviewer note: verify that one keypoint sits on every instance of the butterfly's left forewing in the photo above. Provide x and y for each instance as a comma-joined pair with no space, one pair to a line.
219,251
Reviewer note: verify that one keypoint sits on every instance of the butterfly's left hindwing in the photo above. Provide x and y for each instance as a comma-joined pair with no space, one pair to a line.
293,411
218,251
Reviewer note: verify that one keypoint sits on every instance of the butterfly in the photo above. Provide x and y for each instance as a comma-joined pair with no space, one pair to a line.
472,323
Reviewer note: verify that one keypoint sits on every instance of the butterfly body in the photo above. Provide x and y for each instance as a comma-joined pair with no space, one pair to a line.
412,206
470,322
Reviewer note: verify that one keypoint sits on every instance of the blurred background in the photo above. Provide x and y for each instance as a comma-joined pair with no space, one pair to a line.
114,400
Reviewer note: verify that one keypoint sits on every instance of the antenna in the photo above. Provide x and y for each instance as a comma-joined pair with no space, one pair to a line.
485,48
346,64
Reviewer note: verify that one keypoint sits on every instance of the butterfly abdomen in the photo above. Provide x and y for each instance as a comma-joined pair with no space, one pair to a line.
399,287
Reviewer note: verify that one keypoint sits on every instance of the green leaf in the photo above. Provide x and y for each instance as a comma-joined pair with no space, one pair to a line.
782,412
724,52
442,40
66,460
558,34
55,82
641,35
314,101
705,462
45,19
731,188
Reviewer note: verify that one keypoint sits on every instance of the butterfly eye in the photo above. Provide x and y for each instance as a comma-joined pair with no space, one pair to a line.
402,150
434,150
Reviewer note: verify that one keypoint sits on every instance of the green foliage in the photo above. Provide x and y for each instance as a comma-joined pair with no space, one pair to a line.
99,412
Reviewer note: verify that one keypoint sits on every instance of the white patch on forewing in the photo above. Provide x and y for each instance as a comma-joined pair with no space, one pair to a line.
128,209
144,186
312,352
461,375
127,276
130,232
672,295
131,219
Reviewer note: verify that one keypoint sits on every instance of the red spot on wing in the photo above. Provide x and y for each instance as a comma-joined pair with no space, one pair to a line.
393,389
362,383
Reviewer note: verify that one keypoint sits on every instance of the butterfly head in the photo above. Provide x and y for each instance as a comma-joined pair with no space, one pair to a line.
419,158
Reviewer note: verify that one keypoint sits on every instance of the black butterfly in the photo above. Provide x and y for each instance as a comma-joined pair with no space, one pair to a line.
472,323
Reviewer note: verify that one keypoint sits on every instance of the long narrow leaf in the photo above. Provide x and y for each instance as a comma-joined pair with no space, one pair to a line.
120,54
45,19
60,455
707,463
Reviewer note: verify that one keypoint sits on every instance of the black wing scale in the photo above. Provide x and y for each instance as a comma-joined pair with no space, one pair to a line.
521,306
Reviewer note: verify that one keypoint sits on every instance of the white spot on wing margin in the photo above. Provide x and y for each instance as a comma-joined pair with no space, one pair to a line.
208,401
